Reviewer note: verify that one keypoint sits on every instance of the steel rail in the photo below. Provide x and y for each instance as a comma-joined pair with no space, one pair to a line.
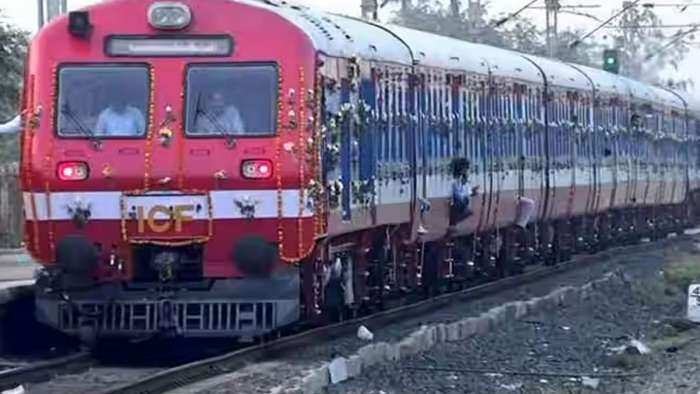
188,374
45,370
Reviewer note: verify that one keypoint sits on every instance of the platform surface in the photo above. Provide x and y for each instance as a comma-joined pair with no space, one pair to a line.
16,274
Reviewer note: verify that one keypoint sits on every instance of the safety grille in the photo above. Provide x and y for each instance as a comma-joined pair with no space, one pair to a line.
182,317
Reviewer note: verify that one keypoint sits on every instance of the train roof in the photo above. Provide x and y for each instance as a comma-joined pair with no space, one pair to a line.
341,36
344,36
561,74
604,81
639,90
670,98
439,51
693,103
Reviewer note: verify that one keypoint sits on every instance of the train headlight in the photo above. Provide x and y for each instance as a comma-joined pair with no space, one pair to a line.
256,169
169,15
73,171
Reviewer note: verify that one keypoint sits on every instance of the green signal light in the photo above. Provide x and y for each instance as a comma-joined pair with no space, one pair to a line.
611,61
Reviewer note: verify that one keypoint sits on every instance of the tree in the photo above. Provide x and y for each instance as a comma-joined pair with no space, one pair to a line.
431,16
405,4
474,25
648,51
13,48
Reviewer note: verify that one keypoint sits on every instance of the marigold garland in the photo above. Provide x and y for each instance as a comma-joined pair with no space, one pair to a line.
318,137
48,161
181,146
302,151
278,165
300,128
149,135
32,111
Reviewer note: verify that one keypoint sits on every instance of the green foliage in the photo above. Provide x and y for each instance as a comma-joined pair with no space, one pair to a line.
13,48
644,51
682,271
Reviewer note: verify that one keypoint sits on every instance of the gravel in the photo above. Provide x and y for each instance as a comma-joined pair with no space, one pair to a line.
92,381
577,342
574,339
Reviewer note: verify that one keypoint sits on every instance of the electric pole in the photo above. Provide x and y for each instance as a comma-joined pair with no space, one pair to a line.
627,36
475,18
49,9
552,7
369,9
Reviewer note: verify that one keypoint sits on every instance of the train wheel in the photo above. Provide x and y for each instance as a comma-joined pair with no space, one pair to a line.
375,275
464,261
549,247
603,232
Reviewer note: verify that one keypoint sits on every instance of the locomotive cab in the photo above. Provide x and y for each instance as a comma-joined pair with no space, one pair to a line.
158,191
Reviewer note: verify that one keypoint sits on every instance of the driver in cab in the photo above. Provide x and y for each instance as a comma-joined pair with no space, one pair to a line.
120,119
217,117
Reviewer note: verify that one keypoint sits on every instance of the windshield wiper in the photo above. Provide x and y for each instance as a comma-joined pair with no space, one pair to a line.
96,142
230,138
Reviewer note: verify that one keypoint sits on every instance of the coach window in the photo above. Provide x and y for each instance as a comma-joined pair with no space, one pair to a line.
107,101
238,100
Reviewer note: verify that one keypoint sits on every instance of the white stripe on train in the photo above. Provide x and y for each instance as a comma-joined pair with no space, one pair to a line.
107,205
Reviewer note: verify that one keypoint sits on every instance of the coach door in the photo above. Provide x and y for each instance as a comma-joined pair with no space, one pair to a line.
393,144
337,155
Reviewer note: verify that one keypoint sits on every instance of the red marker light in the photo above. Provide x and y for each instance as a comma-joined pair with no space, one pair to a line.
73,171
256,169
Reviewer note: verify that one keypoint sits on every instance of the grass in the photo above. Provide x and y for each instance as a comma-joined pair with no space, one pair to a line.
682,270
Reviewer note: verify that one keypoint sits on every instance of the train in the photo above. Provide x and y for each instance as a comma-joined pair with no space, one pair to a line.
234,168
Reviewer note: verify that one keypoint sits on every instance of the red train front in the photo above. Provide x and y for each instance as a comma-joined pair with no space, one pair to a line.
165,168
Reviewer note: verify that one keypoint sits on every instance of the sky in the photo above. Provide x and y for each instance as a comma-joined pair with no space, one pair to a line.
23,14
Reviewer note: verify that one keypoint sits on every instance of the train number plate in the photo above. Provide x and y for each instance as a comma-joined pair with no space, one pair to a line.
166,213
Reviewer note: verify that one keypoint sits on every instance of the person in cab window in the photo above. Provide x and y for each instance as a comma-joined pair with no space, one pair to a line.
120,119
217,117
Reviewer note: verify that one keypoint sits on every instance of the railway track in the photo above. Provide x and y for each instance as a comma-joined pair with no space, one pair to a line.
188,374
134,380
45,370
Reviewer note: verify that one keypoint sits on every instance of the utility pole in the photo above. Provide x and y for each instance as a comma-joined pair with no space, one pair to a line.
369,9
454,8
40,13
49,9
475,17
627,20
552,8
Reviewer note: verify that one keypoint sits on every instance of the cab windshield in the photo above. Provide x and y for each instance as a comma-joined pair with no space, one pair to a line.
103,101
231,100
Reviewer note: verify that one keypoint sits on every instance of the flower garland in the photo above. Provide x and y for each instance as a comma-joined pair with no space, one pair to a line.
48,161
301,127
302,149
181,146
278,165
30,125
318,194
149,136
